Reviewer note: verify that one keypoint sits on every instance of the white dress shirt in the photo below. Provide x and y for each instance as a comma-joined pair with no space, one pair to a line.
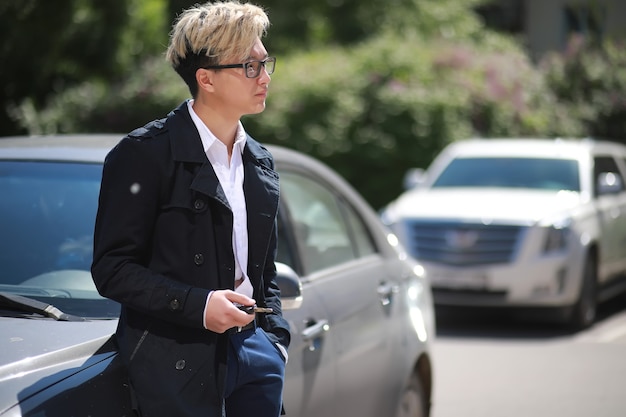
230,174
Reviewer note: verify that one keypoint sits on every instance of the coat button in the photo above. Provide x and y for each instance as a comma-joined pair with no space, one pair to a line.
180,364
198,204
174,304
198,259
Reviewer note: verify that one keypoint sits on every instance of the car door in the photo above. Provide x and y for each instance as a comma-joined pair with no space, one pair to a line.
342,269
612,216
310,378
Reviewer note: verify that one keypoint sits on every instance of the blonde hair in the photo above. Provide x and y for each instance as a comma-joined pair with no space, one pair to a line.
206,34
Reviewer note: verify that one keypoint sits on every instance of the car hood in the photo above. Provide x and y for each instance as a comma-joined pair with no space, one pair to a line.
37,353
498,205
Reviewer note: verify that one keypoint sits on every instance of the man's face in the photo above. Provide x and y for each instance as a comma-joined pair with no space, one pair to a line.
238,94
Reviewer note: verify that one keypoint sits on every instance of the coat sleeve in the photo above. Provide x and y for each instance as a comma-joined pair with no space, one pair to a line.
132,181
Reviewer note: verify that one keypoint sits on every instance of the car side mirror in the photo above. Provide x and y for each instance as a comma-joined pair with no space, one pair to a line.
413,178
609,183
290,287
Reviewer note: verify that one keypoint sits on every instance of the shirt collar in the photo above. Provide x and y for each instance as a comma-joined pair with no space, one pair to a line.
208,138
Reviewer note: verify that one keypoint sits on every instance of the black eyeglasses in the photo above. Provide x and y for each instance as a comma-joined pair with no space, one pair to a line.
252,69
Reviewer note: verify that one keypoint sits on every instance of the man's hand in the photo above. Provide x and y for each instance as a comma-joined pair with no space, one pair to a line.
222,314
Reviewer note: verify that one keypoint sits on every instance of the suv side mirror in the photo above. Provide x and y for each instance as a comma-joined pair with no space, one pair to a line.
290,287
413,178
609,183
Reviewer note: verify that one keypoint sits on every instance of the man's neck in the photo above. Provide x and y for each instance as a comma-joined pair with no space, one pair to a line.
224,128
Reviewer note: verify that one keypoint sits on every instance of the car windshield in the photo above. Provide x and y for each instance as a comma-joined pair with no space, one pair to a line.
47,213
535,173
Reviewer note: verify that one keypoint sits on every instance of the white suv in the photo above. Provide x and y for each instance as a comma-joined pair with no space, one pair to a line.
519,223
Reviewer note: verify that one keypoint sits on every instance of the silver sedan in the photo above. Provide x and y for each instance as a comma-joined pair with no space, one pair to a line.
360,308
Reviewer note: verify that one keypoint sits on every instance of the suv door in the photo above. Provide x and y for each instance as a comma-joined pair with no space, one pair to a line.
612,217
342,268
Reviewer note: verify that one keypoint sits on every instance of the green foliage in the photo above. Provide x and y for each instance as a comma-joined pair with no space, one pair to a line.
97,106
50,45
393,103
371,111
146,33
449,19
591,78
307,25
370,88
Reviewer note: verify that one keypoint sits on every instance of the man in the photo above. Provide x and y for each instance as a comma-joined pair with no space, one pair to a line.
186,232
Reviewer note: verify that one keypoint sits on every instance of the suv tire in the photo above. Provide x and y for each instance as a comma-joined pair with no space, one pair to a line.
584,311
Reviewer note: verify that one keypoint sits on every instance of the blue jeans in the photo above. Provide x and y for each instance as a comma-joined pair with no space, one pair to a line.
256,372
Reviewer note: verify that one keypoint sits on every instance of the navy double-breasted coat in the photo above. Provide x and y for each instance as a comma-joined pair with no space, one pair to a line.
162,241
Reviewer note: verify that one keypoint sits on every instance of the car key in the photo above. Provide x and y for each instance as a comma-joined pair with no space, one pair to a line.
254,309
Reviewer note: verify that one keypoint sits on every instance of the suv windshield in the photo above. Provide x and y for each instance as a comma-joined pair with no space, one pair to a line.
534,173
47,213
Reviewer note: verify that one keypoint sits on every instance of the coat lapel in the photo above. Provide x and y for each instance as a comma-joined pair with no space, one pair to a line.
187,147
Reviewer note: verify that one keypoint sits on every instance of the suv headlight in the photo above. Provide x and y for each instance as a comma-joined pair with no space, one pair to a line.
556,237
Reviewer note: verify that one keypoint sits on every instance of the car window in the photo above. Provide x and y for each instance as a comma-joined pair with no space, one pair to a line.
47,214
285,249
360,234
604,164
534,173
325,229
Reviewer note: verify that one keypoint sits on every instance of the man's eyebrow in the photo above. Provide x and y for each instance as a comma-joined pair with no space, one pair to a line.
252,58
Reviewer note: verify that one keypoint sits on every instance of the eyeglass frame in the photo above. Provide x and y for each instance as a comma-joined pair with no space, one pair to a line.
245,66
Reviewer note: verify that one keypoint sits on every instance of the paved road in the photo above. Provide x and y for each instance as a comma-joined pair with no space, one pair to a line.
501,367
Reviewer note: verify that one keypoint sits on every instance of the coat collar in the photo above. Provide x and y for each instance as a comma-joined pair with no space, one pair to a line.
185,140
186,146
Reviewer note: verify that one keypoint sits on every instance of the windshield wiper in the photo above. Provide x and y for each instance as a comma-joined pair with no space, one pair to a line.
31,305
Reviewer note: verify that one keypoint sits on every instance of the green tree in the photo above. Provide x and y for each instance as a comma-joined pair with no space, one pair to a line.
429,75
49,45
392,103
591,78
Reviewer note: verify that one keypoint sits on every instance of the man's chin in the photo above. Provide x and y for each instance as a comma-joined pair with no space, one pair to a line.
258,109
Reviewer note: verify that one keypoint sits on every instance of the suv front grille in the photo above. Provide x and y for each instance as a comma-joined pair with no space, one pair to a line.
462,244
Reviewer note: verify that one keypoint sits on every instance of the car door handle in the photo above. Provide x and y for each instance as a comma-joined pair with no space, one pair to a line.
385,291
313,332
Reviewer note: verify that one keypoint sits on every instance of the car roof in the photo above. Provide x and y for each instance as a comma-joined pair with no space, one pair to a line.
75,147
94,148
532,147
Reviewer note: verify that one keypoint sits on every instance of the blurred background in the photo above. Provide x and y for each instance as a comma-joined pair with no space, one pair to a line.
368,86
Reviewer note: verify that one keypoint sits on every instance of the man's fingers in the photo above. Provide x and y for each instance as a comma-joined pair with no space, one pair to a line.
223,313
237,298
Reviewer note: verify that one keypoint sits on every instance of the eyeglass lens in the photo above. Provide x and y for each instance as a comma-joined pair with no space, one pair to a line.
253,68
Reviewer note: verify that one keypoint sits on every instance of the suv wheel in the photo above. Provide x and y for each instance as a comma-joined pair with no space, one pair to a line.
584,312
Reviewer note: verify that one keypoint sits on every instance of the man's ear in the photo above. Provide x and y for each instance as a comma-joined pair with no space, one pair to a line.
205,79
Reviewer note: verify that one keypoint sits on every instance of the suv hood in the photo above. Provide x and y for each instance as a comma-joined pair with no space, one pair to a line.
500,205
37,353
